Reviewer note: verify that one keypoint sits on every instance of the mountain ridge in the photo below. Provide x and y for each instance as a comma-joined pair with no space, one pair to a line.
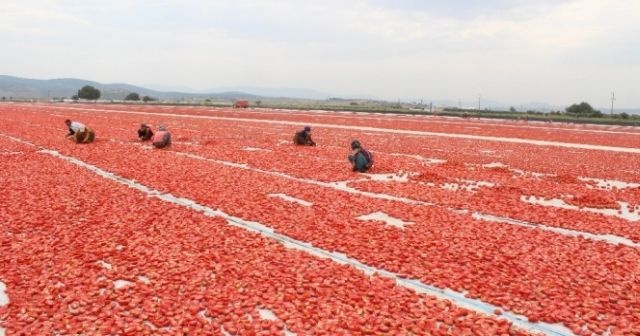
19,87
28,88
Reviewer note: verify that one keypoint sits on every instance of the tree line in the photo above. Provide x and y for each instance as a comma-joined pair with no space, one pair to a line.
91,93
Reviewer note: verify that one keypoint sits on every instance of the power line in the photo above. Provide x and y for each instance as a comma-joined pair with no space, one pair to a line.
613,97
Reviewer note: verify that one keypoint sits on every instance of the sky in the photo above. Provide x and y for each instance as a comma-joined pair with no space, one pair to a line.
512,51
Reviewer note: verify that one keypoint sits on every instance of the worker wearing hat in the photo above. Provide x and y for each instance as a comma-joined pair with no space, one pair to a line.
303,137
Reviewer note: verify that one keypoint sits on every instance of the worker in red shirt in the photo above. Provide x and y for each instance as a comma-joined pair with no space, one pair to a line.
162,138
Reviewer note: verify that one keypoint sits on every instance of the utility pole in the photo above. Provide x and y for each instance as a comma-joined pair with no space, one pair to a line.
613,97
479,96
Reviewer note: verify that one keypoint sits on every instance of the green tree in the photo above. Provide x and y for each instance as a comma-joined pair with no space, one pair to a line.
596,114
89,92
132,96
624,115
582,109
75,97
512,109
148,99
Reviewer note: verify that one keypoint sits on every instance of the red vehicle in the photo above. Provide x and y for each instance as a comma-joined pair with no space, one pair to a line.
241,104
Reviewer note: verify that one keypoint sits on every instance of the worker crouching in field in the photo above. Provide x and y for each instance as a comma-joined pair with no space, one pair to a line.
145,133
79,133
162,138
303,137
360,158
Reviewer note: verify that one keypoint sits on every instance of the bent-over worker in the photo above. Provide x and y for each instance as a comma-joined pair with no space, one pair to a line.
303,137
79,133
162,138
360,158
145,133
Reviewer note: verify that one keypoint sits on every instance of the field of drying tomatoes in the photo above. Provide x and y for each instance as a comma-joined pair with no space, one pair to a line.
516,228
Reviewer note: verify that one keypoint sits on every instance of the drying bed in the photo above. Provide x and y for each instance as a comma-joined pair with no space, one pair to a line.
435,187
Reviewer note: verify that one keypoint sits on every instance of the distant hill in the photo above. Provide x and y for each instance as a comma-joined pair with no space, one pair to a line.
277,92
25,88
17,87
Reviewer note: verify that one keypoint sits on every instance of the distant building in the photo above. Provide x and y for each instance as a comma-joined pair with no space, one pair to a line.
241,104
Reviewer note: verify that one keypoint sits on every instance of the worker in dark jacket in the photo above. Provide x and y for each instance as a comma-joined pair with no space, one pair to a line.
145,133
360,158
162,138
304,137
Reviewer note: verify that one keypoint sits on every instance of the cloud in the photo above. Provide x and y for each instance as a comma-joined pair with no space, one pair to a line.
36,21
509,50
